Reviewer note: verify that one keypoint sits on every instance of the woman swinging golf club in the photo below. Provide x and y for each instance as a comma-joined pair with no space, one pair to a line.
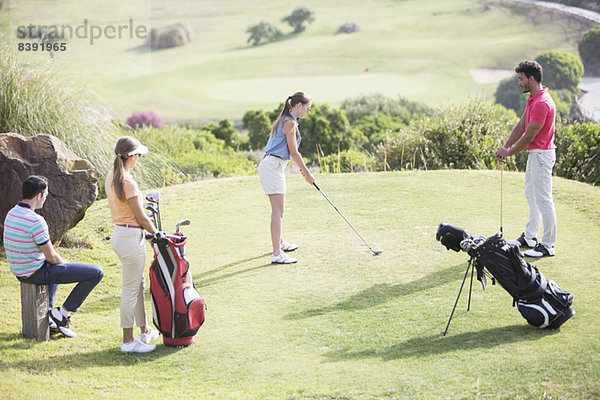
281,147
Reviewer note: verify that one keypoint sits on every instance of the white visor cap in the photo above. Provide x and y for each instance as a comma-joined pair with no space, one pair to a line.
141,150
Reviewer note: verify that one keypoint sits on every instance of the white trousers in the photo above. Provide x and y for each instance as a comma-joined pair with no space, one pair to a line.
130,246
538,191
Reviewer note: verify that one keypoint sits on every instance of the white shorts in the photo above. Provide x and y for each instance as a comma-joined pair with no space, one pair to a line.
271,172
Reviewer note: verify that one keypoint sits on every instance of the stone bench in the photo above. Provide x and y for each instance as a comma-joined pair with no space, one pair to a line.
34,311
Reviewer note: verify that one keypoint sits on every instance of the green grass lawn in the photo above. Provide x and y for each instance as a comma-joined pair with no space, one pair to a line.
341,323
420,50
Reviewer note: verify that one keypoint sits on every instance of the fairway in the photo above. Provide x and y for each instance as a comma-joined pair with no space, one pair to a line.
340,324
422,51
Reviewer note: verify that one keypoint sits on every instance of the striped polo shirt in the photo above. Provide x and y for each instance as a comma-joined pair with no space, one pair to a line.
24,232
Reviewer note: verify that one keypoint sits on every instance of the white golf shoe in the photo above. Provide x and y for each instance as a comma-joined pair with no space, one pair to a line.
285,246
282,258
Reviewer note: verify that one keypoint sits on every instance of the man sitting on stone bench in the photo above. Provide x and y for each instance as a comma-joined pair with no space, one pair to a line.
32,258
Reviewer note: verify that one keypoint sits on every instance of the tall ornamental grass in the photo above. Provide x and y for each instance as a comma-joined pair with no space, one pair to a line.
34,99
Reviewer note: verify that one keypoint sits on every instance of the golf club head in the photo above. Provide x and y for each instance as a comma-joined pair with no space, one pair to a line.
153,197
151,207
182,222
377,252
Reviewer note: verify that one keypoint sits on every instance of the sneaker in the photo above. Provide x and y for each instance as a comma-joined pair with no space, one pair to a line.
136,346
52,325
540,251
523,242
285,246
148,337
62,322
282,258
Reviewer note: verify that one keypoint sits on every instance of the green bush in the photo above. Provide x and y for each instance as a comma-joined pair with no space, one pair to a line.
195,152
561,70
259,126
365,105
327,129
460,137
225,131
578,152
35,100
347,161
510,95
377,126
589,49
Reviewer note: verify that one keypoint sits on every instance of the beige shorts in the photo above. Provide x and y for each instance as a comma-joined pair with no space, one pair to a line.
271,172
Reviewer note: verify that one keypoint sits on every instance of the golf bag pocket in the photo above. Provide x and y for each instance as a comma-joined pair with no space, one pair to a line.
162,303
189,311
551,310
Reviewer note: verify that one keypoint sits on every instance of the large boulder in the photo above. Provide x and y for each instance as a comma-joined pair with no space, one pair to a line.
72,181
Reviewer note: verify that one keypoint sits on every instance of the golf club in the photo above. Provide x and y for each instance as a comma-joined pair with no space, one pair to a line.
375,252
501,196
154,197
182,222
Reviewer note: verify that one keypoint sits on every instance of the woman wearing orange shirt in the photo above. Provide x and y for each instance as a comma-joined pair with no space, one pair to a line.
126,207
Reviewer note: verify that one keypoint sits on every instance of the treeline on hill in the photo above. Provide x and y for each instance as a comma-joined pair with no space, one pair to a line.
366,133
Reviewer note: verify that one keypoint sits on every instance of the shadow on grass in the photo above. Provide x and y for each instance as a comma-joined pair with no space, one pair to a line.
199,282
383,292
437,344
81,360
285,37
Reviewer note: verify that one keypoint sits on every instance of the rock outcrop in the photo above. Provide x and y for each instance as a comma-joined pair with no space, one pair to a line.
72,181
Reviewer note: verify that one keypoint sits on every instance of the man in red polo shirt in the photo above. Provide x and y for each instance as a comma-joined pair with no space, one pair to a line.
535,132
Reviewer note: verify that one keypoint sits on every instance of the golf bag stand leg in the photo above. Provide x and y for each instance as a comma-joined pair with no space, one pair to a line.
459,292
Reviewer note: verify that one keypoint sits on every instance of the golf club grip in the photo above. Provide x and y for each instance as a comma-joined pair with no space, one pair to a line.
315,185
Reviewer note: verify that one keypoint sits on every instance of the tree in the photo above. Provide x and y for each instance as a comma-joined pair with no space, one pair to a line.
298,17
589,50
263,31
258,125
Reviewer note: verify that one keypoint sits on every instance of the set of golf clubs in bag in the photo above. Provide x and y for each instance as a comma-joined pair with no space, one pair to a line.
178,311
541,301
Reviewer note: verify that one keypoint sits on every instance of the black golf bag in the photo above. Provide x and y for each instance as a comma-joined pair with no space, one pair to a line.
540,301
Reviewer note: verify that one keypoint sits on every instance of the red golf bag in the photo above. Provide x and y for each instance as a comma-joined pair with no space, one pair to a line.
177,308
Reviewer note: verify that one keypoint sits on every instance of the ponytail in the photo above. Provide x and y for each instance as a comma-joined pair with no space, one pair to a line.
288,104
122,149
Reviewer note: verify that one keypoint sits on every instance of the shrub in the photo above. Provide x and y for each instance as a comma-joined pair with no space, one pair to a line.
370,104
263,32
578,152
225,131
459,137
561,70
377,126
328,128
589,50
510,95
347,161
144,118
258,125
348,27
195,152
298,18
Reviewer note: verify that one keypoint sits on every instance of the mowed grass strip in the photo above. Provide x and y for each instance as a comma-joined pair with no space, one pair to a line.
341,323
